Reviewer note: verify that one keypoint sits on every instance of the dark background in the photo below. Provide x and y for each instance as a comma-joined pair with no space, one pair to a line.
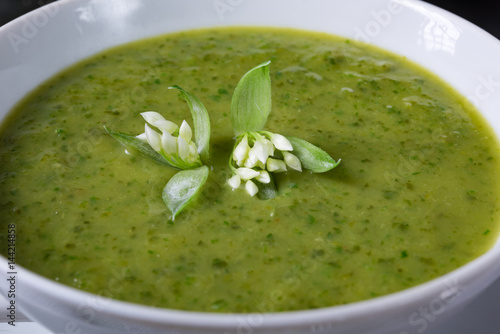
10,9
484,13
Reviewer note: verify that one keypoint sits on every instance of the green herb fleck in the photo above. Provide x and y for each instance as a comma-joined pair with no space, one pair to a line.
218,263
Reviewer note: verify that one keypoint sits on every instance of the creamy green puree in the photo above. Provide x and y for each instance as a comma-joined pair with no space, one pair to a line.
415,196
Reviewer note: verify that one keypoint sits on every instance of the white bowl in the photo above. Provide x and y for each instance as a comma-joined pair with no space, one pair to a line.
43,42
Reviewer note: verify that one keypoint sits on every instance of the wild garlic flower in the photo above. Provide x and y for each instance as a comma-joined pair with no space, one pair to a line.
257,154
175,143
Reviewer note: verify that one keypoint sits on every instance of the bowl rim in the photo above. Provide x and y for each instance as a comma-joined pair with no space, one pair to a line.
449,283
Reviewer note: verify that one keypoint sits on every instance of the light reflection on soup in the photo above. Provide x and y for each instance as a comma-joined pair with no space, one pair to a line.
416,194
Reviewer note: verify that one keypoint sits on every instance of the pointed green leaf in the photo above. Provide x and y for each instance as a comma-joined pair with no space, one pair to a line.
251,103
183,187
311,156
201,123
132,142
267,190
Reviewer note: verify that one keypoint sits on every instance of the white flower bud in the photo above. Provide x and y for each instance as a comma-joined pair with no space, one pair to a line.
258,152
166,126
270,147
281,142
292,161
252,159
234,181
153,138
277,166
247,173
182,148
142,137
262,148
152,117
263,177
251,188
193,152
241,150
169,143
185,132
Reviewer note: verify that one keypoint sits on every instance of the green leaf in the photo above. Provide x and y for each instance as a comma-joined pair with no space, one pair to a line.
201,123
267,190
132,142
311,156
183,187
251,103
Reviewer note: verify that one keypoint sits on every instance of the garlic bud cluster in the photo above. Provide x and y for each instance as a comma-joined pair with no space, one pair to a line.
174,143
257,154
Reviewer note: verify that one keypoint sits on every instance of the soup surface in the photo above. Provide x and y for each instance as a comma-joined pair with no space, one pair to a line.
415,196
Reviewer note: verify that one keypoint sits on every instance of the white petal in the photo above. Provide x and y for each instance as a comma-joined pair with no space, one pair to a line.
281,142
247,173
182,148
261,151
251,188
277,166
270,147
193,153
292,161
240,152
234,181
263,148
153,138
263,177
185,132
166,126
169,143
193,150
143,137
255,153
152,117
252,159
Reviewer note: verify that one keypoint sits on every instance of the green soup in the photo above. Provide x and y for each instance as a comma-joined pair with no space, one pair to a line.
415,196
